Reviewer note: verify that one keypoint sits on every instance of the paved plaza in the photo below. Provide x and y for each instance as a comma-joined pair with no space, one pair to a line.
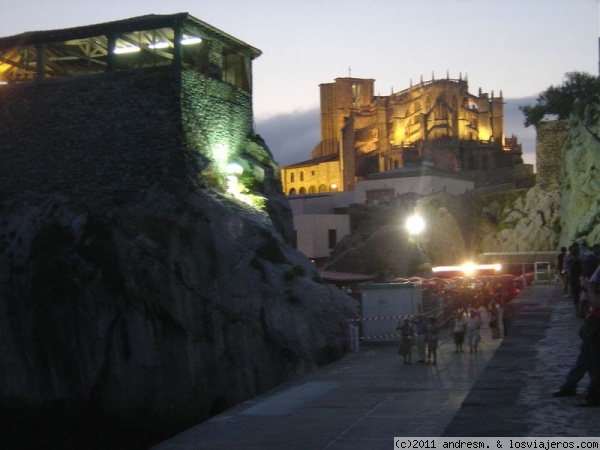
367,398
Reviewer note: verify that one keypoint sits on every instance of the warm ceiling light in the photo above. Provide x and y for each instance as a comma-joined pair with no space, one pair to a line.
161,44
126,49
191,40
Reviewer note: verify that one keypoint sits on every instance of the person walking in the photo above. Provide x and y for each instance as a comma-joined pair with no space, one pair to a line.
406,335
473,327
494,324
589,264
508,313
432,341
459,331
592,395
577,372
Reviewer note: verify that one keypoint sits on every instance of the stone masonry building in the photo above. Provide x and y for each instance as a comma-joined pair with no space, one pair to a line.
108,110
437,123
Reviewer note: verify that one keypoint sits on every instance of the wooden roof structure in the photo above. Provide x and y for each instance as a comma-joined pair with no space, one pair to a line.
144,41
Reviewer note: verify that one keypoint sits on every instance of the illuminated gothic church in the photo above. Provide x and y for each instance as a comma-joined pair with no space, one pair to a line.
435,124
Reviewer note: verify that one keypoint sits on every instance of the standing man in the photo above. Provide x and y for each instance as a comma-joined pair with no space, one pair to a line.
592,396
589,264
473,333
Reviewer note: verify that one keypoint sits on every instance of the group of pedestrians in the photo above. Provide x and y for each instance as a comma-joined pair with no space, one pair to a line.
580,271
423,332
426,334
468,327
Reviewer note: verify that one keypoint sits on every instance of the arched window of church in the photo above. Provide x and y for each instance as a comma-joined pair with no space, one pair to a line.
302,191
322,188
442,109
292,177
312,190
292,191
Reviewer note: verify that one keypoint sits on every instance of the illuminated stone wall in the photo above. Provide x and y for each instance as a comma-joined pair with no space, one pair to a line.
217,118
104,136
322,177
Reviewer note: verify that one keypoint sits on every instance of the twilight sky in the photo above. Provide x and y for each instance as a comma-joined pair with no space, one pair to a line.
519,47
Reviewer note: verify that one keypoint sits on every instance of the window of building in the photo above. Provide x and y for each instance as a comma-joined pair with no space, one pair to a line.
332,236
301,176
292,177
356,94
312,173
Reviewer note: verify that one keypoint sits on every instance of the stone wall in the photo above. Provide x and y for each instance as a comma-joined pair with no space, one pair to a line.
549,141
110,136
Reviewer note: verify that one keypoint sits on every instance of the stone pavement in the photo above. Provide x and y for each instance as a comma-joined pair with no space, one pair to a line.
367,398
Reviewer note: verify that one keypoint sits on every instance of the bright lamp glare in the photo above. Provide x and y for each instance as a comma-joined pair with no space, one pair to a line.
469,268
415,224
235,169
233,186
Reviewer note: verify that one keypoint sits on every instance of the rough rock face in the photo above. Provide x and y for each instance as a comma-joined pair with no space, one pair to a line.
161,313
580,182
559,211
521,222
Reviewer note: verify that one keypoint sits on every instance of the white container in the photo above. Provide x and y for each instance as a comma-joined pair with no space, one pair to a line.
384,304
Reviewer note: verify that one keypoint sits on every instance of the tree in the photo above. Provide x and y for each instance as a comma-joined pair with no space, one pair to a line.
578,90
